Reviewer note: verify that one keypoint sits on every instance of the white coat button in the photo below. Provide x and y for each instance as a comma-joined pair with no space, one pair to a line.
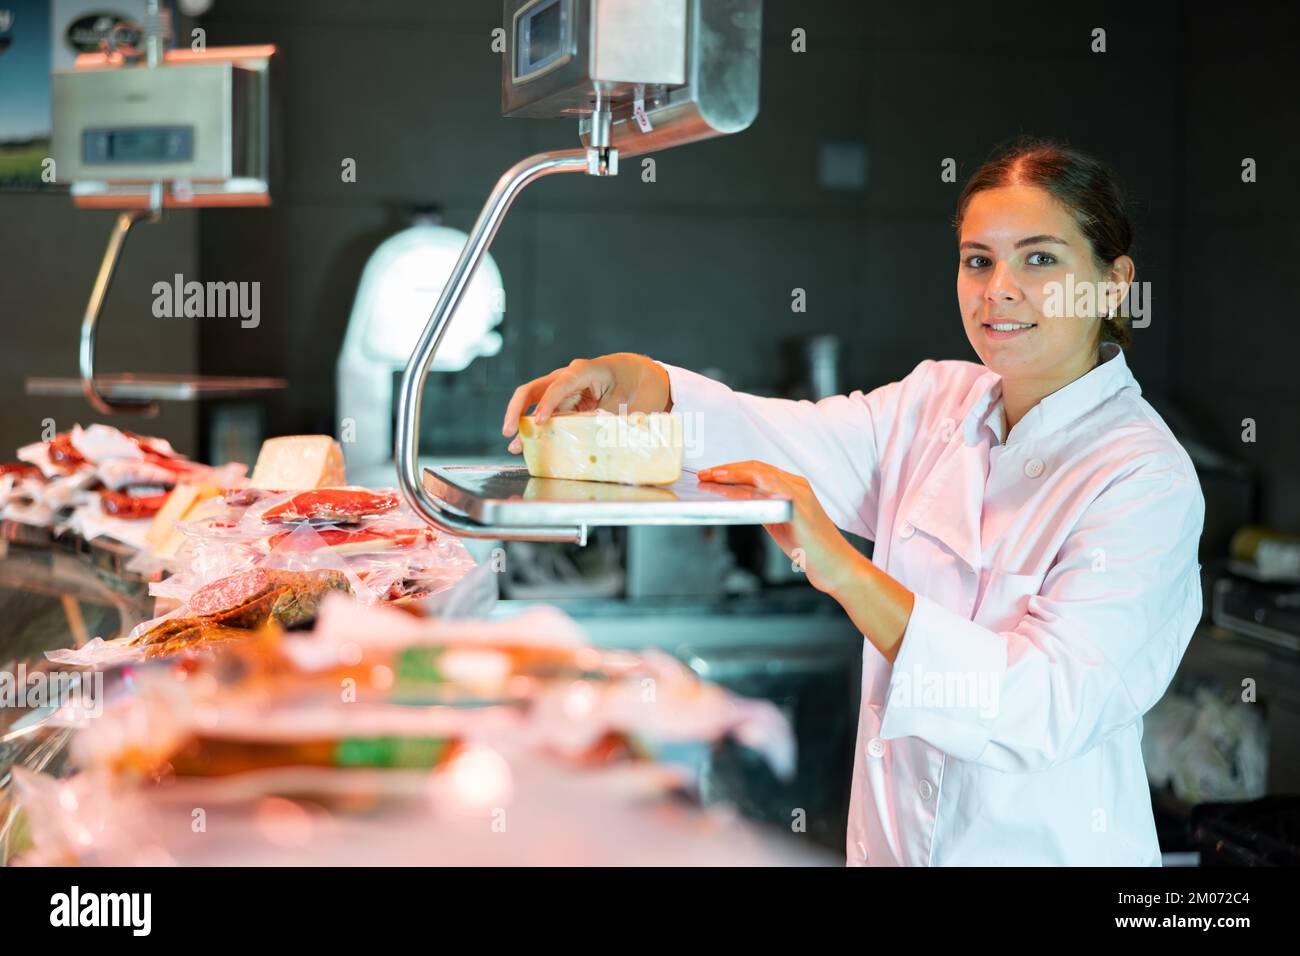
926,789
876,747
905,531
1034,467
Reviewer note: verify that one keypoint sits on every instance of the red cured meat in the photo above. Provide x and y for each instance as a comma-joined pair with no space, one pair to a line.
332,504
121,505
63,453
351,541
231,591
243,497
178,465
153,451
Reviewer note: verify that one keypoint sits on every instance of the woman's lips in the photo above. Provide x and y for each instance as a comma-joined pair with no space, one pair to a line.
1008,330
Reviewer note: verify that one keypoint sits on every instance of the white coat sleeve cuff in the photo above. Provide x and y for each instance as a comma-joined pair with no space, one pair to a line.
693,392
944,684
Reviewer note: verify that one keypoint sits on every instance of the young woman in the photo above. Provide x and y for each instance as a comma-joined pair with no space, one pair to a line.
1034,581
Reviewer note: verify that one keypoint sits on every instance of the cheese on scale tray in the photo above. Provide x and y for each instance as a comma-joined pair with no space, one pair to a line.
299,463
634,449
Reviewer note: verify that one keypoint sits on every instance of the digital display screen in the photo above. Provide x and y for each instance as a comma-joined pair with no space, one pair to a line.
154,144
541,37
544,33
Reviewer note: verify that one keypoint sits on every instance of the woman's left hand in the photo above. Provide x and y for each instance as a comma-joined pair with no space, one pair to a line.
810,539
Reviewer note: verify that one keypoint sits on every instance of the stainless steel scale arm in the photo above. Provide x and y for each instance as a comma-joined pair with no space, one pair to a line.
157,28
411,393
90,321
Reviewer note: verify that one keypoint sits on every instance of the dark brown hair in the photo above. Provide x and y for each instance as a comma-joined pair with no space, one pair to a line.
1082,183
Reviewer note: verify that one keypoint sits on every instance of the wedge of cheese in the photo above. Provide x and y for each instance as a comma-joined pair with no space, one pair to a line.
632,449
299,463
163,537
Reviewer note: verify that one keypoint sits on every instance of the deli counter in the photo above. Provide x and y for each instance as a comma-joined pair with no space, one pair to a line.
768,788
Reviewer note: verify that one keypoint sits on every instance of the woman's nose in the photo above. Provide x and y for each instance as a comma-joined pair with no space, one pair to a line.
1002,285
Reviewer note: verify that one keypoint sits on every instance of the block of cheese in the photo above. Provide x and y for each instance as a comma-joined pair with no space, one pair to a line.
631,449
299,463
163,538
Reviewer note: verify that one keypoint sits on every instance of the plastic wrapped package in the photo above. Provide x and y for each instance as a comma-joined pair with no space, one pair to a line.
346,505
661,707
87,817
1206,746
304,743
112,482
377,552
360,671
229,609
494,804
100,443
300,563
46,502
89,522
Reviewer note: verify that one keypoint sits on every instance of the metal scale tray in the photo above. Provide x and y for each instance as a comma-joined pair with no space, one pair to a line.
128,387
508,496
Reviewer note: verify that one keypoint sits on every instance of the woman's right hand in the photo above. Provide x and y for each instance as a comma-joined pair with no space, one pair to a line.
610,382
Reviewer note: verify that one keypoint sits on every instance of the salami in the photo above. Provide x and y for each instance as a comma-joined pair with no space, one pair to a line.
233,591
248,598
332,505
245,600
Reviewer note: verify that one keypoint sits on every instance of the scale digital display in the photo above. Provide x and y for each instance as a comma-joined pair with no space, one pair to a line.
540,37
143,144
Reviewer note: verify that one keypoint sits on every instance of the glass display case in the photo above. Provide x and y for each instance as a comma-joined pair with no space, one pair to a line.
55,591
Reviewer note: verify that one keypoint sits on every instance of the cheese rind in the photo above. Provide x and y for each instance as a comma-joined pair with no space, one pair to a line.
299,463
635,449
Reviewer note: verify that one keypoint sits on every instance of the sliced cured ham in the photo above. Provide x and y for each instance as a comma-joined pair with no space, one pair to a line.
332,505
348,541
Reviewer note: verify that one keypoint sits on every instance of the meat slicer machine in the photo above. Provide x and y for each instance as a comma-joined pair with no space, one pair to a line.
143,130
640,76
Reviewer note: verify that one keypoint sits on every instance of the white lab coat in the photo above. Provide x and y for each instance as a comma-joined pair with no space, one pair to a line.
1056,583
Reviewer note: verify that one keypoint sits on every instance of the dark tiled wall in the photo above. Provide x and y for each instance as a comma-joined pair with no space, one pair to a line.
1237,337
49,256
698,267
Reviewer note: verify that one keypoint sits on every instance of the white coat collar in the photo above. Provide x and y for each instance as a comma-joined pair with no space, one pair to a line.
1110,376
950,504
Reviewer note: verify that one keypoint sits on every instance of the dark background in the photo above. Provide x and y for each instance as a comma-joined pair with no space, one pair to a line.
697,268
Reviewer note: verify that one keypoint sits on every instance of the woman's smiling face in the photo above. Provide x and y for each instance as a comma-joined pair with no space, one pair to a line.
1015,242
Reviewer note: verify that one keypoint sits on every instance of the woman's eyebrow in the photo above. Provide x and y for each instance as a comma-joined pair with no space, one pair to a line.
1035,240
1029,241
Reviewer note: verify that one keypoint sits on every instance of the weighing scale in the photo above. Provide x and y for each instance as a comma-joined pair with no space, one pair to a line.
640,76
144,130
